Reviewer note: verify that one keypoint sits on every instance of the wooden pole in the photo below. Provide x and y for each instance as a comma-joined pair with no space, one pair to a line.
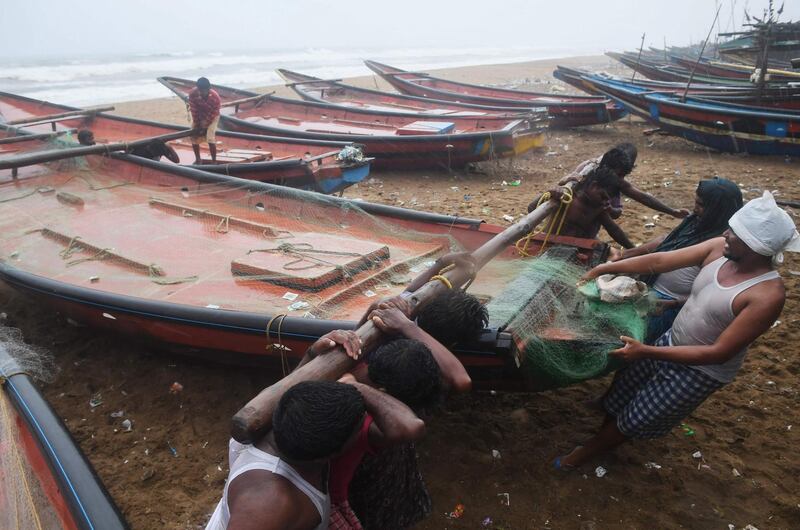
255,418
700,56
59,116
28,137
638,57
39,157
246,100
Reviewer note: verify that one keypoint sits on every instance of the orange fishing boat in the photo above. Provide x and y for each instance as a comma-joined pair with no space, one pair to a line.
564,111
228,268
307,164
394,140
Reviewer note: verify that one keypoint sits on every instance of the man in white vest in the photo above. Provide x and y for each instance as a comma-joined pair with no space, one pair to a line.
737,297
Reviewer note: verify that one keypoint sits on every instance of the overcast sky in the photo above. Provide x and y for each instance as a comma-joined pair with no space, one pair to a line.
81,27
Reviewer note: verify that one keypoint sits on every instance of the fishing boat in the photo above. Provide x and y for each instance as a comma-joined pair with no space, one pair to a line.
393,140
47,480
236,270
725,127
785,99
658,71
307,164
733,71
337,93
564,111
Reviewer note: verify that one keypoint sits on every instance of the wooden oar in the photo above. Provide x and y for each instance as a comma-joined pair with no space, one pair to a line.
255,418
59,116
313,81
39,157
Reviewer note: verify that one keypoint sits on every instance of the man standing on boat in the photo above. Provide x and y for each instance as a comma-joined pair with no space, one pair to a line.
736,297
204,104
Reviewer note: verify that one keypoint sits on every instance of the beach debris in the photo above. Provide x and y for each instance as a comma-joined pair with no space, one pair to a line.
148,474
775,324
117,414
551,153
516,182
505,499
96,400
687,431
736,472
750,527
487,522
457,512
788,427
697,454
94,279
600,471
504,183
290,296
127,425
508,218
667,183
369,294
496,454
172,449
454,188
467,197
296,306
649,225
175,388
652,465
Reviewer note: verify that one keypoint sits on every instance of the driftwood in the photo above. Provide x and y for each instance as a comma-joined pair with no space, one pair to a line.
38,157
255,418
248,99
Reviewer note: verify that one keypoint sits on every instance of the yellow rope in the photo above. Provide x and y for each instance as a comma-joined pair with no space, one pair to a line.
442,279
14,449
272,346
559,217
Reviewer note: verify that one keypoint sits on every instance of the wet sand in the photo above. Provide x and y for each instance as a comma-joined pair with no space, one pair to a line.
747,432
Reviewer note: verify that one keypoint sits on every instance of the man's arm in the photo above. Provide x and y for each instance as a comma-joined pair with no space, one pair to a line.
393,322
763,307
393,423
650,201
641,250
614,230
459,259
659,262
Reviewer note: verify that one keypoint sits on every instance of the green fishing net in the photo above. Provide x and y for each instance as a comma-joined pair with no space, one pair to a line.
561,335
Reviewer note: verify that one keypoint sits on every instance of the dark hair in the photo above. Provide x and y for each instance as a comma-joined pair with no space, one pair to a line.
620,159
453,316
314,419
601,176
85,136
203,83
406,370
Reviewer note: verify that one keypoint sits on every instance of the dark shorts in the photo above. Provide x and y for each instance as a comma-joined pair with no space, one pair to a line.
649,398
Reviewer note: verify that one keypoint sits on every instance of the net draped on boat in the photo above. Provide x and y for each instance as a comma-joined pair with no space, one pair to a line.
562,336
123,228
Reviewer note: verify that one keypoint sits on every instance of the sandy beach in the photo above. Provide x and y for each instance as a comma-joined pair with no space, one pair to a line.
747,433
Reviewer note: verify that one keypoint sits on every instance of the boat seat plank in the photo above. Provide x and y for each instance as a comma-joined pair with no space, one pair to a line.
224,222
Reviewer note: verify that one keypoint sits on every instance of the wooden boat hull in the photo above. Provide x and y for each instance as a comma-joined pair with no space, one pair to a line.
51,482
391,139
335,93
302,164
783,99
204,225
727,128
563,111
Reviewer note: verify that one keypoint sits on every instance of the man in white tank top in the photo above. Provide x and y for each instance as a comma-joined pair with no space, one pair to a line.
735,298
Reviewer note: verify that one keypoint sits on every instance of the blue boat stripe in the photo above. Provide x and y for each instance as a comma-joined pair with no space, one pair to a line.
52,452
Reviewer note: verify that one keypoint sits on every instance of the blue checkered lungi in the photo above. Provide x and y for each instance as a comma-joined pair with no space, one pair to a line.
649,397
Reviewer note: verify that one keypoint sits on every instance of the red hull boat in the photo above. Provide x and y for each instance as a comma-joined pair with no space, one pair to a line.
303,164
226,268
333,92
564,111
393,140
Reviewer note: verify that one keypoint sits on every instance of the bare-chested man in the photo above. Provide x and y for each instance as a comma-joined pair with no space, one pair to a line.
589,209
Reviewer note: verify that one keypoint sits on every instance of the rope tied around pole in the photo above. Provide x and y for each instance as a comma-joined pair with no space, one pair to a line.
559,217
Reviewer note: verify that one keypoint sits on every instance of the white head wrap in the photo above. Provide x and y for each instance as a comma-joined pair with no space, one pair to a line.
766,228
